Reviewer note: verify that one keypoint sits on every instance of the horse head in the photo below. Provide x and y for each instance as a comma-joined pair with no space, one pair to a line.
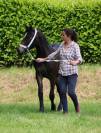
34,39
28,42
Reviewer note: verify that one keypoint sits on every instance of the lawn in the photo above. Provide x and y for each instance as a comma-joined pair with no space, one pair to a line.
19,107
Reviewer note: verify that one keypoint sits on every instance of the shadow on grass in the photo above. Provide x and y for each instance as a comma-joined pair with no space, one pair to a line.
18,108
87,109
22,108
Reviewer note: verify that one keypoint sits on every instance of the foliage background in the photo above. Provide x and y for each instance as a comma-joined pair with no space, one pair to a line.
51,17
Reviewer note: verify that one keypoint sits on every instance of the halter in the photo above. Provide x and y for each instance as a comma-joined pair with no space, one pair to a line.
30,43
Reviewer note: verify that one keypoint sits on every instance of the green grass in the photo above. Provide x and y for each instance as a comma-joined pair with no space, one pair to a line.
19,107
63,3
25,118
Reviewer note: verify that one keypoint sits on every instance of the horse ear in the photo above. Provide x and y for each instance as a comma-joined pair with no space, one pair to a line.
28,27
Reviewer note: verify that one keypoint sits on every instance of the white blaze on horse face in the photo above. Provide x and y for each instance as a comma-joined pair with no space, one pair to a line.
25,35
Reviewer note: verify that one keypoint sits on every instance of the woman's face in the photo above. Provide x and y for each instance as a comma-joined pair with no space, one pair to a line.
64,37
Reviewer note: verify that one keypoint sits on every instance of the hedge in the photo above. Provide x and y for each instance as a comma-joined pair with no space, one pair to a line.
51,19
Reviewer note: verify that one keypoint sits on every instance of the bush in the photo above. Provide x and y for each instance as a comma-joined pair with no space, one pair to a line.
51,19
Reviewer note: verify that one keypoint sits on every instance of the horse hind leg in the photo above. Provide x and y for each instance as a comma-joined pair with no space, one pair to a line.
52,95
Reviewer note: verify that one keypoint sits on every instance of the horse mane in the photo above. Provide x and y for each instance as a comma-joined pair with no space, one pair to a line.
44,43
43,39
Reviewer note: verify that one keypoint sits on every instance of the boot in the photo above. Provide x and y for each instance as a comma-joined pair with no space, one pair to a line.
78,109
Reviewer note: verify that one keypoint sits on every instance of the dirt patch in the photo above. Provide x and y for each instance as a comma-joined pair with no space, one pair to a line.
22,84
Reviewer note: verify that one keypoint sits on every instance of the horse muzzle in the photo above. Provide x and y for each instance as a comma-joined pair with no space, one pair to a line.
21,50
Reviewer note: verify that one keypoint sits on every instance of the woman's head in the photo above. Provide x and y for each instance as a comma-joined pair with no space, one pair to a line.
69,34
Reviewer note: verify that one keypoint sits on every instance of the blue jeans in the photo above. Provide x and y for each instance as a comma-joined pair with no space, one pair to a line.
68,84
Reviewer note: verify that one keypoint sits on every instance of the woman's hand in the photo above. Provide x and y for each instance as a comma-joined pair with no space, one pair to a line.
74,62
40,60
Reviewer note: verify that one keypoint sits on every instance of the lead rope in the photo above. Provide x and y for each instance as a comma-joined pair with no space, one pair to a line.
46,60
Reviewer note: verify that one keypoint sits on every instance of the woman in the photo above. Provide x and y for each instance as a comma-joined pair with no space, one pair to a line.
70,57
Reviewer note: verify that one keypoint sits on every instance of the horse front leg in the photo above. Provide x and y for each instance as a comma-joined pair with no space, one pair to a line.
40,92
52,96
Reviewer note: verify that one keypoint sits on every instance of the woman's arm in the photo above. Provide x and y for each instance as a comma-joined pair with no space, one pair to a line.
78,57
50,56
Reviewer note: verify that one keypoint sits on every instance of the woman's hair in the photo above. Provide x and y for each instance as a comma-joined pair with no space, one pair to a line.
72,33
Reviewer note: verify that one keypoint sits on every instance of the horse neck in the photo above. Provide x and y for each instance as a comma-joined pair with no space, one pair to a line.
42,47
42,50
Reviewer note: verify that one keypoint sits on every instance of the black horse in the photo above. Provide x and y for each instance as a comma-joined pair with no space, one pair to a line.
35,39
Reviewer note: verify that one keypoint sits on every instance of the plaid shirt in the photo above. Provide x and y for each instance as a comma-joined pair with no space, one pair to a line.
70,53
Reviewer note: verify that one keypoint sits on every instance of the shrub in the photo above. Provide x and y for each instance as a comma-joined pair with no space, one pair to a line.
51,19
